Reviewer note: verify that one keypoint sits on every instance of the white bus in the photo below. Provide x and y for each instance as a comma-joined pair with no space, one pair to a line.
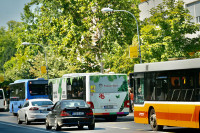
107,94
2,100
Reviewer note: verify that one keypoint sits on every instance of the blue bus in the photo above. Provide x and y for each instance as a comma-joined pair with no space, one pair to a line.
25,89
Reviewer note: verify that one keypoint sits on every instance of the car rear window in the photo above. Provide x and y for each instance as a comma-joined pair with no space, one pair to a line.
41,103
73,103
1,94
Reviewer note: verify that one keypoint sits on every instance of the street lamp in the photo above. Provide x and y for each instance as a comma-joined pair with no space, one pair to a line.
111,10
27,43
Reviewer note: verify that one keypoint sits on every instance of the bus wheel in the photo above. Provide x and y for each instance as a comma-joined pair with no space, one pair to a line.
153,121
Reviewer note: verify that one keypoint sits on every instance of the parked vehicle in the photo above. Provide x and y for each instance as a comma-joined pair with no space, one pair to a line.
2,100
34,110
70,113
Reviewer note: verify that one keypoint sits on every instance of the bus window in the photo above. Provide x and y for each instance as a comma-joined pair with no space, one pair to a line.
37,89
139,89
161,86
76,88
149,85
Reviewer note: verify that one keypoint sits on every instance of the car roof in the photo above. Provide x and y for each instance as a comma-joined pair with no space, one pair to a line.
39,100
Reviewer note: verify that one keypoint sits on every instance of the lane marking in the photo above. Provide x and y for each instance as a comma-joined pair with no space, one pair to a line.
30,128
123,128
119,122
140,129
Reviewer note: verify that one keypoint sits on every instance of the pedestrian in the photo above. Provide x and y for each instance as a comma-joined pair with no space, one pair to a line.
131,101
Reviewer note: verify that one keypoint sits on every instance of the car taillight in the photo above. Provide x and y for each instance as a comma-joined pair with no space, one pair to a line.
64,113
126,104
34,108
90,112
91,104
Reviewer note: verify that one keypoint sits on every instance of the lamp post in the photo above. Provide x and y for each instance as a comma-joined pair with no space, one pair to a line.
111,10
27,43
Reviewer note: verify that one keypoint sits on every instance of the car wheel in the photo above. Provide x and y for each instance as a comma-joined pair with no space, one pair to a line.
153,121
18,120
47,125
80,127
26,120
57,127
91,127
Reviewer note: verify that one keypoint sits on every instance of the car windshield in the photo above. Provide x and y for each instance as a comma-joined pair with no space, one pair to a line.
41,103
73,103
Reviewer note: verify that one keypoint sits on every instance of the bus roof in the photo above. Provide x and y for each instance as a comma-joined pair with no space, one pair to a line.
88,74
168,65
26,80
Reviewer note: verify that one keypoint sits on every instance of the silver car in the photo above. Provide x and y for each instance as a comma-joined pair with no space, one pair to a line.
34,110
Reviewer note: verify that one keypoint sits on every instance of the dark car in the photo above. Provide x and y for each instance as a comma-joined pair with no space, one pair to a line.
70,113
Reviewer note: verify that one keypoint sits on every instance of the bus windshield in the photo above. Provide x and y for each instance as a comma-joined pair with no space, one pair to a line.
37,89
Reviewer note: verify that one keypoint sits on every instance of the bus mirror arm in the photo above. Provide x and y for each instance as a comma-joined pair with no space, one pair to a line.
50,109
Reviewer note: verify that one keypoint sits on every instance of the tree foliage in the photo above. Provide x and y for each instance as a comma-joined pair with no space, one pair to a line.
164,33
76,36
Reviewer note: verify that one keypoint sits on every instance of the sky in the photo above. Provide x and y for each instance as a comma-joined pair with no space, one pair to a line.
11,10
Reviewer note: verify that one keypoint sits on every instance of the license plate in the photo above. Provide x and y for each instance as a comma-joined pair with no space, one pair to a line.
78,113
43,111
108,107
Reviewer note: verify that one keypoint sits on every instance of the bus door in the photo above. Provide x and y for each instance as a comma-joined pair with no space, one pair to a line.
160,89
182,95
76,87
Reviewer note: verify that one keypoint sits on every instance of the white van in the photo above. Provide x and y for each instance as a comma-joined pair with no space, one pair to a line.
2,100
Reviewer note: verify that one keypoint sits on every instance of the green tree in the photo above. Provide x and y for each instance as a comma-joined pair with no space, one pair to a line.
164,33
78,33
8,41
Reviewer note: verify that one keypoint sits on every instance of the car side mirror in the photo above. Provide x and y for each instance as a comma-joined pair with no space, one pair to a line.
20,106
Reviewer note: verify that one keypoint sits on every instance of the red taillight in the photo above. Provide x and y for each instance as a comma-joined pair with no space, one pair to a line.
90,112
91,105
126,104
64,113
34,108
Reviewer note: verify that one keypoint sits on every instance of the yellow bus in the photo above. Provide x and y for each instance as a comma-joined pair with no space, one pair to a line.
167,93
